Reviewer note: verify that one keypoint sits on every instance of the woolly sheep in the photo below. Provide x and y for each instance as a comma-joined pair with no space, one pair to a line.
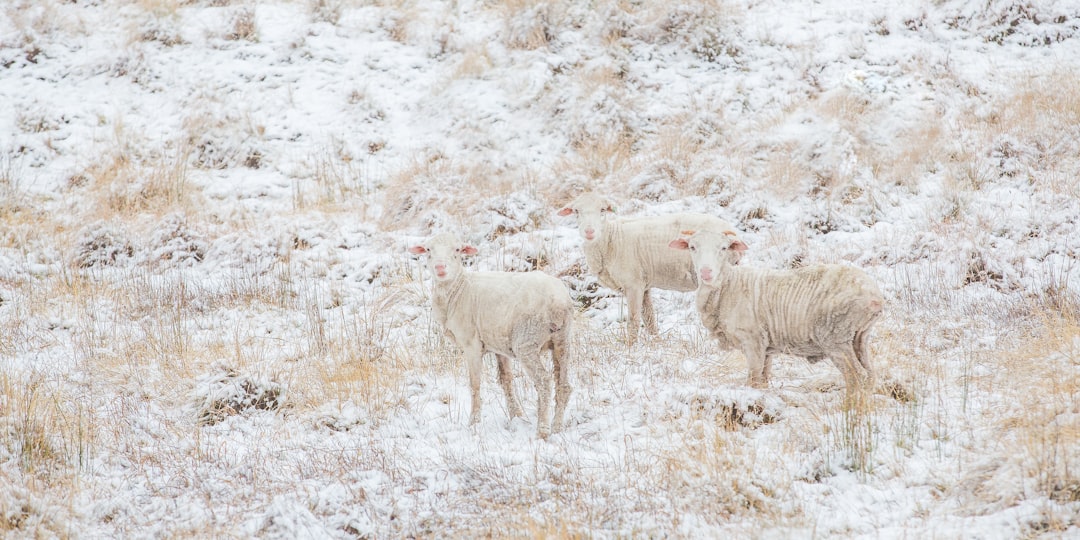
814,312
511,314
630,255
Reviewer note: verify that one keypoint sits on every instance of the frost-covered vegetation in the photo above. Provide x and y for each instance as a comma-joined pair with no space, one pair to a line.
210,325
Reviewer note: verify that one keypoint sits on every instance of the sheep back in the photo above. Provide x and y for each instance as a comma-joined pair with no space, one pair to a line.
635,252
510,313
806,312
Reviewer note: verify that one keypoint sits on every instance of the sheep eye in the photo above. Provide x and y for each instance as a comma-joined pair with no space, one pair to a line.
693,248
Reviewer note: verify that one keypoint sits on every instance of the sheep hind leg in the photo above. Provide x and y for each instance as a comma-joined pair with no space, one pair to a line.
534,366
861,344
506,380
563,390
848,364
634,302
649,314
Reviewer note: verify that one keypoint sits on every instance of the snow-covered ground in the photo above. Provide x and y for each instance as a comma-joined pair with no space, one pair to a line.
210,325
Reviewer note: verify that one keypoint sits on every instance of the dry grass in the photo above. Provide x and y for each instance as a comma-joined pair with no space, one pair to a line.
435,191
50,439
598,161
336,181
475,62
327,11
1042,428
124,186
243,25
529,25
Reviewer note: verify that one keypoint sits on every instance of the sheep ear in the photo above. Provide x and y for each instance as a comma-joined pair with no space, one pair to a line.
467,250
679,243
417,250
566,211
738,245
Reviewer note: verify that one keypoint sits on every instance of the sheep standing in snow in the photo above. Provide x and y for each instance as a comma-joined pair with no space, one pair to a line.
815,312
631,255
511,314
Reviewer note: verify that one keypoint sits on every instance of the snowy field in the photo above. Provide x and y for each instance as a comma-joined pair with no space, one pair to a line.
210,325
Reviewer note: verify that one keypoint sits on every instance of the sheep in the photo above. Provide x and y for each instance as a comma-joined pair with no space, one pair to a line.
511,314
630,255
814,312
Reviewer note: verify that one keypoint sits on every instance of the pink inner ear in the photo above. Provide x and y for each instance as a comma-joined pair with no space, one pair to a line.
679,243
468,250
566,211
417,250
738,245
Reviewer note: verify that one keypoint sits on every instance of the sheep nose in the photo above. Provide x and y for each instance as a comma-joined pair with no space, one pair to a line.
440,270
589,234
706,274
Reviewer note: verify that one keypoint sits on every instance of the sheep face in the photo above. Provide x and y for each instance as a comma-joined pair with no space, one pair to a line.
445,253
591,211
711,252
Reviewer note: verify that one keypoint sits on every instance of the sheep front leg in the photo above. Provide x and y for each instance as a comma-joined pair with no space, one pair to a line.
756,363
474,361
506,380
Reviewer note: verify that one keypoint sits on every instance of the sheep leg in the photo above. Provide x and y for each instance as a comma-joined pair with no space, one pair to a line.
634,301
474,361
648,313
847,362
756,361
562,382
862,354
542,379
766,369
506,380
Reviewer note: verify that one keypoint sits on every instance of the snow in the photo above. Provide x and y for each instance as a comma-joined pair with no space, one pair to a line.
209,324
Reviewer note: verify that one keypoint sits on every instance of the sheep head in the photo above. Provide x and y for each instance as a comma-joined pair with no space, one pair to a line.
444,254
591,211
711,252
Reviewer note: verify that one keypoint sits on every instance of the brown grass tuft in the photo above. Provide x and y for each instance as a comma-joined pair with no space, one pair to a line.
124,186
243,26
1039,379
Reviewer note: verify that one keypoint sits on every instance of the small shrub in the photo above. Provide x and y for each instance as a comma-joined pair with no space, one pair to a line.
226,392
102,245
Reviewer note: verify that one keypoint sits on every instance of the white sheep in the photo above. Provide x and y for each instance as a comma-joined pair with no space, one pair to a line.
815,312
511,314
631,255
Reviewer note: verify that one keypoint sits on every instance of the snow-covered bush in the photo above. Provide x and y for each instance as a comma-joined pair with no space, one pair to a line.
225,392
175,243
102,244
